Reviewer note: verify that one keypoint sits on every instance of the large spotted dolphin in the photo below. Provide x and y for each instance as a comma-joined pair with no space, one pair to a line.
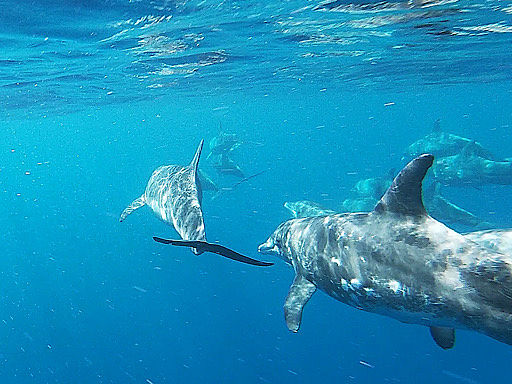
174,194
399,262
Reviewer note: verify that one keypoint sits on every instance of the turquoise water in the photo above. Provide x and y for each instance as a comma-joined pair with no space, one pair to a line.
321,95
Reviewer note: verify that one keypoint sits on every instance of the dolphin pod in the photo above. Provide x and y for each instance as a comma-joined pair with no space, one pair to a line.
174,194
399,262
395,261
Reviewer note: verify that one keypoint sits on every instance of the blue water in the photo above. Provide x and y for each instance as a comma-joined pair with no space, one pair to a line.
95,97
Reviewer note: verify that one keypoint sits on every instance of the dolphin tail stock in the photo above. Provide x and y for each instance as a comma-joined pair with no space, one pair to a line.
136,204
195,161
203,246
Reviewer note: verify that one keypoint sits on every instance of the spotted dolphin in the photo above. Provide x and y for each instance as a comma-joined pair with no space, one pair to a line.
399,262
174,194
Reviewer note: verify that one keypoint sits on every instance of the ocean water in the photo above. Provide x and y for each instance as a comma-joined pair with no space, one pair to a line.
95,96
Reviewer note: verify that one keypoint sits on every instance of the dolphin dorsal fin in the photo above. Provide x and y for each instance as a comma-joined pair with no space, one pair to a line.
195,160
404,195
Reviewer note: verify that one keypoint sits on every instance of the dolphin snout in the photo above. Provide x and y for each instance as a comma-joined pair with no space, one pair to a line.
267,247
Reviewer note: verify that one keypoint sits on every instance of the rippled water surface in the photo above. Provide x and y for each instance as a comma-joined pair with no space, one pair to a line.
64,54
321,94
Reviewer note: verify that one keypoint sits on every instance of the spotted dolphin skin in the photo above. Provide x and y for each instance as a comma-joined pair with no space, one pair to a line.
174,194
499,240
399,262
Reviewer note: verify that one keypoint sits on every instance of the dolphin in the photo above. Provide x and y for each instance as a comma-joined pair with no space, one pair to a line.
223,143
223,163
442,144
442,209
468,168
399,262
174,194
373,187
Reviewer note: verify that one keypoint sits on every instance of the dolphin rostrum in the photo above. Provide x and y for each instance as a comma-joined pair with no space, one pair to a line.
174,194
399,262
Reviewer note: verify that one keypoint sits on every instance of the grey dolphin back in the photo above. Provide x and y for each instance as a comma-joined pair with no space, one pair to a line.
136,204
404,194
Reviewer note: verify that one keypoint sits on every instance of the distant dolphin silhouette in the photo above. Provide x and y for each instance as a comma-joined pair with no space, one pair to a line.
468,168
174,194
442,144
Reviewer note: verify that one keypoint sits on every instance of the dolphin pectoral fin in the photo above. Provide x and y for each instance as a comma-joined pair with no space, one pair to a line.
299,294
444,337
203,246
136,204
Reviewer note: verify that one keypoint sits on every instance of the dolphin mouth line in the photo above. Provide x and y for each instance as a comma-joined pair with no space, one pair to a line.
266,250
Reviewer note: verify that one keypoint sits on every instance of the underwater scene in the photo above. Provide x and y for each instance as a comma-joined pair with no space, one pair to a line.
296,191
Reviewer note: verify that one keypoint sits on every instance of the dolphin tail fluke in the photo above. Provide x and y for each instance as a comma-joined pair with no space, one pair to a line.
299,294
195,161
203,246
136,204
444,337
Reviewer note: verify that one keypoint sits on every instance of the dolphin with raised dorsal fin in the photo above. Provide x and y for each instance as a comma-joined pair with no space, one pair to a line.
174,194
399,262
442,144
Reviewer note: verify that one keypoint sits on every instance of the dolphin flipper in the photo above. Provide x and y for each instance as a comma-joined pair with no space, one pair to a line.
203,246
136,204
299,294
444,337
